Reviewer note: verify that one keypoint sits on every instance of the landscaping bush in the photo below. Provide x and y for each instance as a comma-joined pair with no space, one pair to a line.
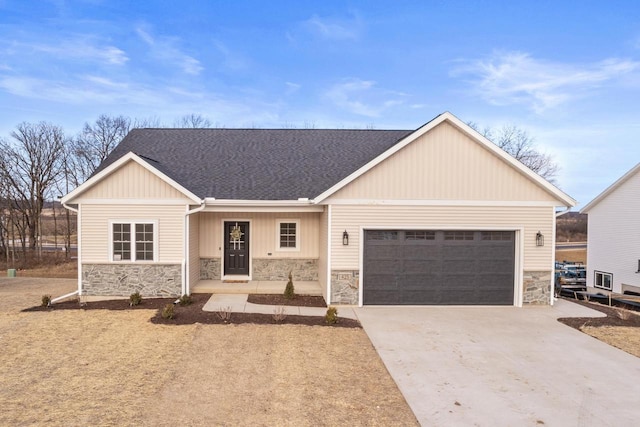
279,314
168,312
289,291
185,300
46,300
135,299
332,316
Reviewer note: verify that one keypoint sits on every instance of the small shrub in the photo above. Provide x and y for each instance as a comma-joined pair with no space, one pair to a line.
332,316
135,299
46,300
82,301
224,313
623,314
168,312
279,314
289,291
185,300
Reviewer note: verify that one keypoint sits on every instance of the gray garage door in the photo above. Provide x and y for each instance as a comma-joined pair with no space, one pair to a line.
438,267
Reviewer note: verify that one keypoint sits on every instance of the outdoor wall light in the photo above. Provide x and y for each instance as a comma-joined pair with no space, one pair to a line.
539,239
345,238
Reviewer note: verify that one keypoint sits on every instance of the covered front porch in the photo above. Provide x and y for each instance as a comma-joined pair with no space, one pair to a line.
255,287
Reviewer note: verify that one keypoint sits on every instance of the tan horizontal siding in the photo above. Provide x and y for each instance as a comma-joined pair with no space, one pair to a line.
444,164
131,181
262,233
95,229
351,218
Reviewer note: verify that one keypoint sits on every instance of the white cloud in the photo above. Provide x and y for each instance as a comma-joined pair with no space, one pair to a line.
83,47
517,78
165,50
330,28
362,97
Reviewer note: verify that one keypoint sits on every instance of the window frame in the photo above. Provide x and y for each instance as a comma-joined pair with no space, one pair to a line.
133,241
279,235
602,274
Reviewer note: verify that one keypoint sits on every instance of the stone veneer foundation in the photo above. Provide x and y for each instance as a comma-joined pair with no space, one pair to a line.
210,269
344,287
126,279
537,287
274,269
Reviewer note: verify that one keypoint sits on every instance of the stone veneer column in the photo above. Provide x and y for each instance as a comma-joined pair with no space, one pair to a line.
151,280
537,287
344,287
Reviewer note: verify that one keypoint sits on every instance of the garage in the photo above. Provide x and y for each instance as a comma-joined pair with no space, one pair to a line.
438,267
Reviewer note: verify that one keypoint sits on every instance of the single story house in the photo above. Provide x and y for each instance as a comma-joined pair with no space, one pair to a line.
613,247
436,215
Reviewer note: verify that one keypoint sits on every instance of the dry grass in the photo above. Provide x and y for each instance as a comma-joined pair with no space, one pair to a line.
624,338
572,255
116,368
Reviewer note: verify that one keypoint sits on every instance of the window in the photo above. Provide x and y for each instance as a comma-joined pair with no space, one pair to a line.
458,235
603,280
497,235
419,235
133,241
288,234
382,235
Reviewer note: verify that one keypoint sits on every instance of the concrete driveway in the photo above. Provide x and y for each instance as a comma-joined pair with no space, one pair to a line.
504,366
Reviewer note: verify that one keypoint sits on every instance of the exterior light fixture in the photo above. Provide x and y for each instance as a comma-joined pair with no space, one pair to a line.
345,238
539,239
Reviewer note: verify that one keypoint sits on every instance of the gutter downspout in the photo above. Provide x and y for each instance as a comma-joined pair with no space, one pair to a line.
185,263
78,233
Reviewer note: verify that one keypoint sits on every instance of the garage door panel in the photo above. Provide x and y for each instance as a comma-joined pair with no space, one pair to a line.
439,267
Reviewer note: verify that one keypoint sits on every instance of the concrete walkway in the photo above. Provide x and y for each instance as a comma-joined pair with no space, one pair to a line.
504,366
237,303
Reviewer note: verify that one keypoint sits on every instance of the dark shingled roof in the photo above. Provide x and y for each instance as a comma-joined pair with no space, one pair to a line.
256,164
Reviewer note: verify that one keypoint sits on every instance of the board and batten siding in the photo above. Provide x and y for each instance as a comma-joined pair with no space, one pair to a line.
96,234
131,181
263,237
444,164
194,249
614,235
353,217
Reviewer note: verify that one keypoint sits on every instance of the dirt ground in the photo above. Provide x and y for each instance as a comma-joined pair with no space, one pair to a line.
107,367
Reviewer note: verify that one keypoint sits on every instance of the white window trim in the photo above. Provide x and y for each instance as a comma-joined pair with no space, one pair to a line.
133,223
288,220
602,273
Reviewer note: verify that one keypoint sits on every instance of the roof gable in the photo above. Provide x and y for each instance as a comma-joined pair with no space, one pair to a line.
449,118
124,170
612,188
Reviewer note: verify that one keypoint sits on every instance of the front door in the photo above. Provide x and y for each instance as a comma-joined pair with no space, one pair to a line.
236,248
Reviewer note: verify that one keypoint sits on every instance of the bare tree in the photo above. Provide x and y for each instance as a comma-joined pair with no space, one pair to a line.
192,121
30,166
521,146
96,141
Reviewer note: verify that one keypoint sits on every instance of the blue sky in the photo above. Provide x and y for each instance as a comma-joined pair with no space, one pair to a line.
567,72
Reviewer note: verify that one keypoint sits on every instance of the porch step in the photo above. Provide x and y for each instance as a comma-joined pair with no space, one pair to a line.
254,287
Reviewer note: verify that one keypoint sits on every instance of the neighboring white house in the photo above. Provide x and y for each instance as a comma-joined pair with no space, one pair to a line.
613,242
436,215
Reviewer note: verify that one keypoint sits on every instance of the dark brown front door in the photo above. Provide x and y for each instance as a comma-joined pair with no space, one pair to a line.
236,248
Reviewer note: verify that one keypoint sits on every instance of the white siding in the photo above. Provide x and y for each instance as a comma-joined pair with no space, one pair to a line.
262,233
96,233
194,250
614,235
530,219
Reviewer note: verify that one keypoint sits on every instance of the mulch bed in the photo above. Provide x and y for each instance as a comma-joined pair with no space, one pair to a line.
190,314
612,318
298,300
